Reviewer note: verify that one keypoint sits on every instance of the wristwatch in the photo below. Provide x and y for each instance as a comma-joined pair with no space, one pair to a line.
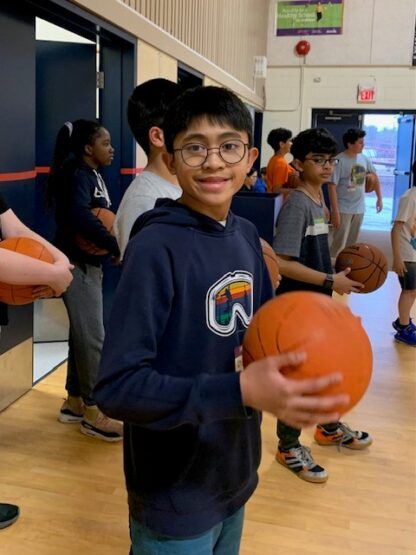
329,282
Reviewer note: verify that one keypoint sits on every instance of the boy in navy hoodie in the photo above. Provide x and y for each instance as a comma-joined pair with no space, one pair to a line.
193,277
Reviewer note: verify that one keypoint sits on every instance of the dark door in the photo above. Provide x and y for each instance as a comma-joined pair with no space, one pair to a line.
336,123
405,156
65,91
17,140
257,135
117,84
188,78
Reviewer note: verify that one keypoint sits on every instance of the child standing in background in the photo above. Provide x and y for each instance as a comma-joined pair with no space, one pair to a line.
145,112
403,240
75,187
278,169
260,184
301,241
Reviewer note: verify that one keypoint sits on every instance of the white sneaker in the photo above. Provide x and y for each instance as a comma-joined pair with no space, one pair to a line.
96,424
72,410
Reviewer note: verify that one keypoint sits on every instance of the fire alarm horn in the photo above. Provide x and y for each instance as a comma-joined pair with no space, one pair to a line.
302,47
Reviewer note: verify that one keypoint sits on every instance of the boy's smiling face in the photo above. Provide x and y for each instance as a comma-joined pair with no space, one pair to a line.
209,188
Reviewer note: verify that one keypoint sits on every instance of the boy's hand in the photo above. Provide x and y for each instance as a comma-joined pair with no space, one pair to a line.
264,388
379,205
343,284
399,267
62,277
335,220
115,261
42,292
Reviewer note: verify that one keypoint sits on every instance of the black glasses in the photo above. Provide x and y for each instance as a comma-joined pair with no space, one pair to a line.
318,161
196,154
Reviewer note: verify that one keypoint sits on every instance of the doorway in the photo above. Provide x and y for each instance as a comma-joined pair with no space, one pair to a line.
86,72
381,147
389,143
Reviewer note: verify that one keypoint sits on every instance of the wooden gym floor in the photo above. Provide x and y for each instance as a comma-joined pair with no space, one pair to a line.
71,489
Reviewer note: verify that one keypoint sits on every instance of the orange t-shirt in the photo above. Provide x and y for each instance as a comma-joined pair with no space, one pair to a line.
277,172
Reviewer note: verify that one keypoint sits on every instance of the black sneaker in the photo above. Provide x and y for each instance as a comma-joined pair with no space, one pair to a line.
8,514
397,327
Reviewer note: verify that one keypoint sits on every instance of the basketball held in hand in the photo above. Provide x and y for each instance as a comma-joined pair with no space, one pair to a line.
22,294
368,265
371,182
107,218
271,261
327,331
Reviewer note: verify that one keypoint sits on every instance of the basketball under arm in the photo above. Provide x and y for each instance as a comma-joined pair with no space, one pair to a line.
11,226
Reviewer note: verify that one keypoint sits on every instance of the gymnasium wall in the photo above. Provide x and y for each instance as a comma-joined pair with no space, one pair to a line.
229,33
375,47
217,38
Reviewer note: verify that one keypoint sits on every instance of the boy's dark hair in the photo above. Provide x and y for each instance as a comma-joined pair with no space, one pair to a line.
216,104
147,106
352,135
277,136
317,140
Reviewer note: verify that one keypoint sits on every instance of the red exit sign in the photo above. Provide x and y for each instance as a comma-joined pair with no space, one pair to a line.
366,94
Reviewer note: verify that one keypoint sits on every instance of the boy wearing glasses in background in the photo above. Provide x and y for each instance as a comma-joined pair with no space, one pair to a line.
302,242
193,276
347,192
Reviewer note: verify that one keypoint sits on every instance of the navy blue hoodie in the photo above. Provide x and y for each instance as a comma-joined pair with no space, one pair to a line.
81,188
188,289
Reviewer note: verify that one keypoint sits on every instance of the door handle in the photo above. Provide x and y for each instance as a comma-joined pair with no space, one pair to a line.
398,172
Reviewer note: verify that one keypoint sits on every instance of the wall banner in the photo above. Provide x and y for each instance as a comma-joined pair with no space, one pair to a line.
302,17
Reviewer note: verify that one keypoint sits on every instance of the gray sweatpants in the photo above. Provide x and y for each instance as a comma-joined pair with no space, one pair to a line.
84,303
346,234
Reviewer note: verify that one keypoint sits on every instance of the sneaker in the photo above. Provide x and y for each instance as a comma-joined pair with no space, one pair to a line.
406,335
396,325
299,460
96,424
343,436
8,514
72,410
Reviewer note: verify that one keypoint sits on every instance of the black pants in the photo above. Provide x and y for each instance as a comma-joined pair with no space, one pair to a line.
289,437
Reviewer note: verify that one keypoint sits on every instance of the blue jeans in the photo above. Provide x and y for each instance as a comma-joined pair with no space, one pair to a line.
222,539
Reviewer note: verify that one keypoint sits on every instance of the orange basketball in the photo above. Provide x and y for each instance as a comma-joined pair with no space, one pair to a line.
371,182
327,331
368,265
271,261
22,294
107,218
293,181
